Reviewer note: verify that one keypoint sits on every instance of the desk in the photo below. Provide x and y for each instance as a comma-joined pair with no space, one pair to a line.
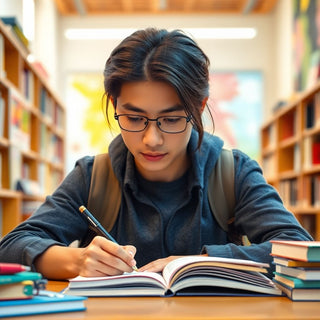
178,308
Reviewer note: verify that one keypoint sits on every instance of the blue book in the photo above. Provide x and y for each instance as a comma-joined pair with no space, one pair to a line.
296,282
41,305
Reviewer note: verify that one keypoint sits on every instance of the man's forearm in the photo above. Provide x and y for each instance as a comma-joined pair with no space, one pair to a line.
59,262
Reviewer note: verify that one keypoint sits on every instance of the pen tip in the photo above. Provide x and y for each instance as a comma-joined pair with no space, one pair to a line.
82,208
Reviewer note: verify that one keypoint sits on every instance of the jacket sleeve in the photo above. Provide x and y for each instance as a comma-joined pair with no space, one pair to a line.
56,222
259,214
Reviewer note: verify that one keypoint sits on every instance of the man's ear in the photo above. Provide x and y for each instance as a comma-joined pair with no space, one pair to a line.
203,104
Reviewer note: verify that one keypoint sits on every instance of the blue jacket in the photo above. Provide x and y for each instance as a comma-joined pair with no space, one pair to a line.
160,218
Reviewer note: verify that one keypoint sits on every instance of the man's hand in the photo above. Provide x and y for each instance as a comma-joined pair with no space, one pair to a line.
106,258
158,265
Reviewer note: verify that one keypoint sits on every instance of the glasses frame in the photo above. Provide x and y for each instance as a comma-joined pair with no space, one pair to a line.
188,119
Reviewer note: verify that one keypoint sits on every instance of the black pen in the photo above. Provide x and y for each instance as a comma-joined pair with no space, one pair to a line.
97,225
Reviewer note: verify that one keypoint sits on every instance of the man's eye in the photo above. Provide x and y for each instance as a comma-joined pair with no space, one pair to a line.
171,120
135,119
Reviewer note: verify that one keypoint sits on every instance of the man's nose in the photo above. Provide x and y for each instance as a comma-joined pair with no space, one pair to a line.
152,135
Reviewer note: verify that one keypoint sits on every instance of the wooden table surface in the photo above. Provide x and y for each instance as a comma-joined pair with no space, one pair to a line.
155,308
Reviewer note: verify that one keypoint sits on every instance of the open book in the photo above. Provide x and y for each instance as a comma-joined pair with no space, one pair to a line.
191,275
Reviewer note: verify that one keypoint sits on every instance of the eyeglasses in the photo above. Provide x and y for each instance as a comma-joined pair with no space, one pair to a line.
137,123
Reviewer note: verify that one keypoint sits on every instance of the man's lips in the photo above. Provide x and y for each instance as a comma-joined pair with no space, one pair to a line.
153,156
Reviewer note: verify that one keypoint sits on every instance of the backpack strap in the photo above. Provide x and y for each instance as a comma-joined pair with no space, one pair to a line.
221,189
104,195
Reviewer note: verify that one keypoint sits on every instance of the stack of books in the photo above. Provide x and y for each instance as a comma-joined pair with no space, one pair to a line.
22,293
16,281
297,269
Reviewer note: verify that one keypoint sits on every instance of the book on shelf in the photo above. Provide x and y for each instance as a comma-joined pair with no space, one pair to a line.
288,127
192,275
2,115
17,290
310,114
20,124
310,273
15,158
299,294
41,304
0,174
29,187
316,152
315,190
28,84
2,57
29,207
16,30
297,250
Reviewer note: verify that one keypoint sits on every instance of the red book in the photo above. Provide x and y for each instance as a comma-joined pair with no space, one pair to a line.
316,153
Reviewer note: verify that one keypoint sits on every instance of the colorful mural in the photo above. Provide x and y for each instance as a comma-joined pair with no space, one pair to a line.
236,104
87,129
306,42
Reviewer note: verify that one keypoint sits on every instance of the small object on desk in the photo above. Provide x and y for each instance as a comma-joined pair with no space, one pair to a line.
11,268
98,227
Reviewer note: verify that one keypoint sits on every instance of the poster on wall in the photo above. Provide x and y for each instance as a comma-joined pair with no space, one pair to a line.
236,104
306,43
87,128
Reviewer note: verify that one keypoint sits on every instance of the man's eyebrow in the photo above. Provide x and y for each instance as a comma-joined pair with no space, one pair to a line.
131,107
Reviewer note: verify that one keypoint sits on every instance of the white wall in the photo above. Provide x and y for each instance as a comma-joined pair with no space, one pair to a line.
46,43
255,54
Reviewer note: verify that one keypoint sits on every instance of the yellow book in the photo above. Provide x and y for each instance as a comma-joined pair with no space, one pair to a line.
18,290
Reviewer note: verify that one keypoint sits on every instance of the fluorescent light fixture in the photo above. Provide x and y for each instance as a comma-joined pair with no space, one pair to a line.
197,33
222,33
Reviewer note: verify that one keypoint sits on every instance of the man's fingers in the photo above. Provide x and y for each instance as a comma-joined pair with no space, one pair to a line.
108,257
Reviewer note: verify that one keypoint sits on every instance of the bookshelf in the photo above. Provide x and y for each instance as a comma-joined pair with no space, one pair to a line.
291,157
32,134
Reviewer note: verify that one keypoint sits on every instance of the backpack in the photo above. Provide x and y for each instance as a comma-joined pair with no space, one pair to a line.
105,205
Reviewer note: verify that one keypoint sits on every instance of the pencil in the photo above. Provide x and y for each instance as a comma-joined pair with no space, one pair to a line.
97,225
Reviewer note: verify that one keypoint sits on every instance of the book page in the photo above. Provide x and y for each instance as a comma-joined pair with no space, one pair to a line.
174,268
137,279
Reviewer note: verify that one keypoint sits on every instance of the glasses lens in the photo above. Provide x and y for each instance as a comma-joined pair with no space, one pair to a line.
132,122
172,124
